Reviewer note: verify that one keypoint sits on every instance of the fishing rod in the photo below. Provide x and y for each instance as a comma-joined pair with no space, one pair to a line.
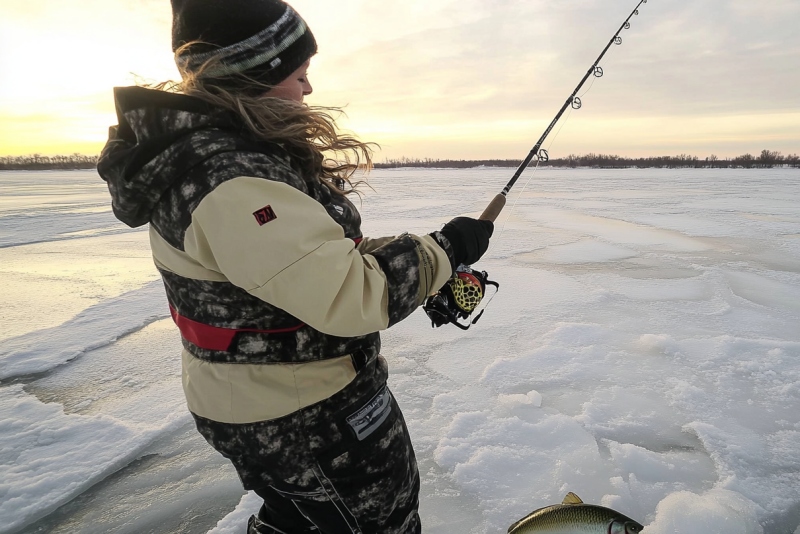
459,298
496,205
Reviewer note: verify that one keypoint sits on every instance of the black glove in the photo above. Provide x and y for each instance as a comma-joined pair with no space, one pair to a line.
469,239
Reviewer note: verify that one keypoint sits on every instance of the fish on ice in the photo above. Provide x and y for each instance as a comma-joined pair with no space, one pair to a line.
572,516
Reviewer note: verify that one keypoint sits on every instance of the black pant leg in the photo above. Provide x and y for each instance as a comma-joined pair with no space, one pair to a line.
376,481
346,463
370,488
279,515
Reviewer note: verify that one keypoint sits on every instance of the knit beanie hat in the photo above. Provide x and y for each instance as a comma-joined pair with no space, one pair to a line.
265,40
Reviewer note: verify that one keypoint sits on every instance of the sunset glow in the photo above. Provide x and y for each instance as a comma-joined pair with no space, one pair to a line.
443,79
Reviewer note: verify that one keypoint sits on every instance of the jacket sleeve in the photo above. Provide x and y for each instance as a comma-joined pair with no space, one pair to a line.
368,244
281,246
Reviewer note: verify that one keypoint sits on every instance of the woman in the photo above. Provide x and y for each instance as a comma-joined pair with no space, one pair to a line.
277,296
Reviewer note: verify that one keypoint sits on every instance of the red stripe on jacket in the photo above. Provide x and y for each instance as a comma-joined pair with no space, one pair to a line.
210,337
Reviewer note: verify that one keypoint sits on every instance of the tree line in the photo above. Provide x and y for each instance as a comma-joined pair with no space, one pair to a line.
767,159
37,162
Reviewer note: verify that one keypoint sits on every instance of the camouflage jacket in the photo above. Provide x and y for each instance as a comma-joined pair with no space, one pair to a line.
267,275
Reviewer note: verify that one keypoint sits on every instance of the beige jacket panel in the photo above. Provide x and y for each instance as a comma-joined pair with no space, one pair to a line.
179,262
300,261
246,393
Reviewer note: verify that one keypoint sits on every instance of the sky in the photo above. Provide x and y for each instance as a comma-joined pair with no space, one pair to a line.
457,79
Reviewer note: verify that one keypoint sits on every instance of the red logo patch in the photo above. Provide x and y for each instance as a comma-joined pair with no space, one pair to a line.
265,215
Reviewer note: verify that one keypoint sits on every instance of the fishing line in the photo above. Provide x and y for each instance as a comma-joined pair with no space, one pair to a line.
598,73
525,185
496,205
587,89
460,297
496,240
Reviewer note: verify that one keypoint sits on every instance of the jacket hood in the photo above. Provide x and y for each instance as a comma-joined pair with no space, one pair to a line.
159,137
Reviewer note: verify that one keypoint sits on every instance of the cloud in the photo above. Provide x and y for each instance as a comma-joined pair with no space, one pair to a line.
704,65
445,74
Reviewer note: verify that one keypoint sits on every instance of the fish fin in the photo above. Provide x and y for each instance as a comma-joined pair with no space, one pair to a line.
515,525
571,498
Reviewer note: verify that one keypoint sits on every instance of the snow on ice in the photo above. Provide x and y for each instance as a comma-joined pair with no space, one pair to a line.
643,352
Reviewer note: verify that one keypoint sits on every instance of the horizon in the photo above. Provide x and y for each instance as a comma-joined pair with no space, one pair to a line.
710,157
445,79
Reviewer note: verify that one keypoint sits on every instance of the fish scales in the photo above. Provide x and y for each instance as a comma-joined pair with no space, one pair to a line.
573,519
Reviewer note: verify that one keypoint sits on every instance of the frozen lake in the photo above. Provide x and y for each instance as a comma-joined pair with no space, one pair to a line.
643,352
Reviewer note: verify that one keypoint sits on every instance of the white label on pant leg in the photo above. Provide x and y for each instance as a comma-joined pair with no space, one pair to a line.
367,419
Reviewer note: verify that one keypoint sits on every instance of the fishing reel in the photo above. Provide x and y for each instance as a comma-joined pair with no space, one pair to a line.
458,298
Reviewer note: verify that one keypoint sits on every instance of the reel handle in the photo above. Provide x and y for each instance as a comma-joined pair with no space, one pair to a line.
494,208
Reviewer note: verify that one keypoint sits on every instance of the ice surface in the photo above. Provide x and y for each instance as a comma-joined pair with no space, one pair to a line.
93,327
588,251
643,351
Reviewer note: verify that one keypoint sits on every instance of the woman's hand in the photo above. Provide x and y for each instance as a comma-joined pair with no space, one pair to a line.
469,239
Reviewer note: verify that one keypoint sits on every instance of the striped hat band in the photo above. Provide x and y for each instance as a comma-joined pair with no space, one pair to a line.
262,49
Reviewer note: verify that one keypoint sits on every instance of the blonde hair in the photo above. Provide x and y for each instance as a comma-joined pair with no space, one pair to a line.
308,133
